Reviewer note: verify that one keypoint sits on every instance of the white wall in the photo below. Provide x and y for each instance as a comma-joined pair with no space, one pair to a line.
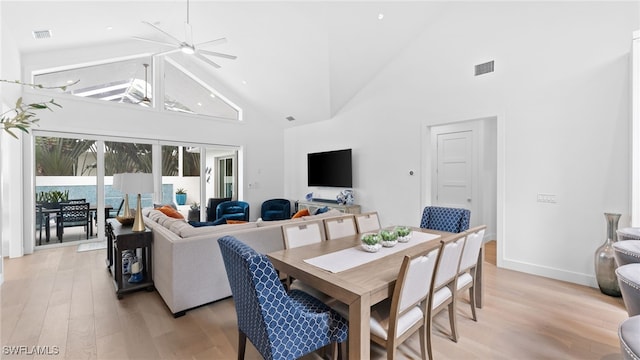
561,93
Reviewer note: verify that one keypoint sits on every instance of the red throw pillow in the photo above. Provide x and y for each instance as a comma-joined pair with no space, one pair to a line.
171,212
301,213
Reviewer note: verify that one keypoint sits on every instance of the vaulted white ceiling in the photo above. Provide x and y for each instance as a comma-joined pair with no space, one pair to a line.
295,58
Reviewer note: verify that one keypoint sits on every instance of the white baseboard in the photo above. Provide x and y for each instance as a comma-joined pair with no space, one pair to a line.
549,272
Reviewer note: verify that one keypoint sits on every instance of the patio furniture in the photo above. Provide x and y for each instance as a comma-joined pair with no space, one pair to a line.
71,215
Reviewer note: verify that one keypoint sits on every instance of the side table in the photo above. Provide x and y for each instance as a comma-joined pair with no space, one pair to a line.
119,239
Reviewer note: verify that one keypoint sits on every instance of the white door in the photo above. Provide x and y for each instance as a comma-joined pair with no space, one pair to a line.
454,170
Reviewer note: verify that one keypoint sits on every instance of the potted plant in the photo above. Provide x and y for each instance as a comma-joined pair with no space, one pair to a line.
181,196
370,242
52,199
194,212
404,233
388,238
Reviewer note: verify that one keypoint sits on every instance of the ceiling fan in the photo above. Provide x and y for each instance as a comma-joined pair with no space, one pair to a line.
187,46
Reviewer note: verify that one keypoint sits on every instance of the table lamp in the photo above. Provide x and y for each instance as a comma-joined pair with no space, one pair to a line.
137,183
117,184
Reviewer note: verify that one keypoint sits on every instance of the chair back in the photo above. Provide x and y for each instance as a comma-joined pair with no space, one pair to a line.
257,291
472,247
450,261
340,226
75,214
453,220
300,234
415,278
275,209
279,325
212,205
236,210
367,222
76,201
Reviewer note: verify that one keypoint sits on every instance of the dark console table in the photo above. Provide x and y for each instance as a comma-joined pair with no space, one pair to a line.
121,238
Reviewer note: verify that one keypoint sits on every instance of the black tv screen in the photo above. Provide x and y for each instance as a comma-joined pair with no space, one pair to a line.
330,168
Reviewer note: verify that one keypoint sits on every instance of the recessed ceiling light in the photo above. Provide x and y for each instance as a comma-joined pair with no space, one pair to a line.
199,104
244,82
380,16
109,27
41,34
70,81
213,95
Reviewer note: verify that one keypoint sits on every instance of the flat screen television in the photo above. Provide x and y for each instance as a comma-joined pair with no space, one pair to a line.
329,168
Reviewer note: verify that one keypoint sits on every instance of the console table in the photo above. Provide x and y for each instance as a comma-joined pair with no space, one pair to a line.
120,238
315,205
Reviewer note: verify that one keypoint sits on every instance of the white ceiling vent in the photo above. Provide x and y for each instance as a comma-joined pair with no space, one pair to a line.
484,68
41,34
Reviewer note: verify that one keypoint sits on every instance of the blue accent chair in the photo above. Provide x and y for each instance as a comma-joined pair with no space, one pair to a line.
275,209
233,210
445,219
279,325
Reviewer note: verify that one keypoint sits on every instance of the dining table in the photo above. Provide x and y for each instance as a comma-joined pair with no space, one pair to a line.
341,269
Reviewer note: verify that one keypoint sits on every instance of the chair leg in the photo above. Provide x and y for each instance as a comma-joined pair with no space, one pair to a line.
427,333
423,342
453,320
242,344
472,301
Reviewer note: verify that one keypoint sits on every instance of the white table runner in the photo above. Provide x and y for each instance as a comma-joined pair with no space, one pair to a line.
349,258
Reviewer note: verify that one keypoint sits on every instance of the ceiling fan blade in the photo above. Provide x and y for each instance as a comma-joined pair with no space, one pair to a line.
162,31
213,42
204,59
167,52
153,41
213,53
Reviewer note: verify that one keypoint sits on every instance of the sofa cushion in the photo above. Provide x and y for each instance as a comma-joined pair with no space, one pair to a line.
156,215
178,225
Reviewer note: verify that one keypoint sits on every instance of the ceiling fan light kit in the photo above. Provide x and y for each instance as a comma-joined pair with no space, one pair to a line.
187,46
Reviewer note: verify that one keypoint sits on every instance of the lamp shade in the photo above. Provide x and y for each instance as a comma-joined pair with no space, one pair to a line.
117,181
135,183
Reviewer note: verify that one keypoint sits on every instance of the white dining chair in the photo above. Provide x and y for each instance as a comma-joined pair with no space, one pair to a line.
468,265
367,222
341,226
301,234
444,291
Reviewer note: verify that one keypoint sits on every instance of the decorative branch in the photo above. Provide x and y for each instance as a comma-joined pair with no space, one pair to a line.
23,116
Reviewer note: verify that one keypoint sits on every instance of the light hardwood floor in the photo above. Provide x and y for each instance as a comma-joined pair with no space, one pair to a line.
59,297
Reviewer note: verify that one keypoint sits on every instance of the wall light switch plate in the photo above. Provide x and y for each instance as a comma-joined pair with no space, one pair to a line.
547,198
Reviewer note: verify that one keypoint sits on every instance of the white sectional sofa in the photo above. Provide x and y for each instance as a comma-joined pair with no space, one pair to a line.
188,270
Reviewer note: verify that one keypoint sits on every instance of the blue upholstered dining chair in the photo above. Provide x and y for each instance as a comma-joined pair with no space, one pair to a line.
445,219
279,325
